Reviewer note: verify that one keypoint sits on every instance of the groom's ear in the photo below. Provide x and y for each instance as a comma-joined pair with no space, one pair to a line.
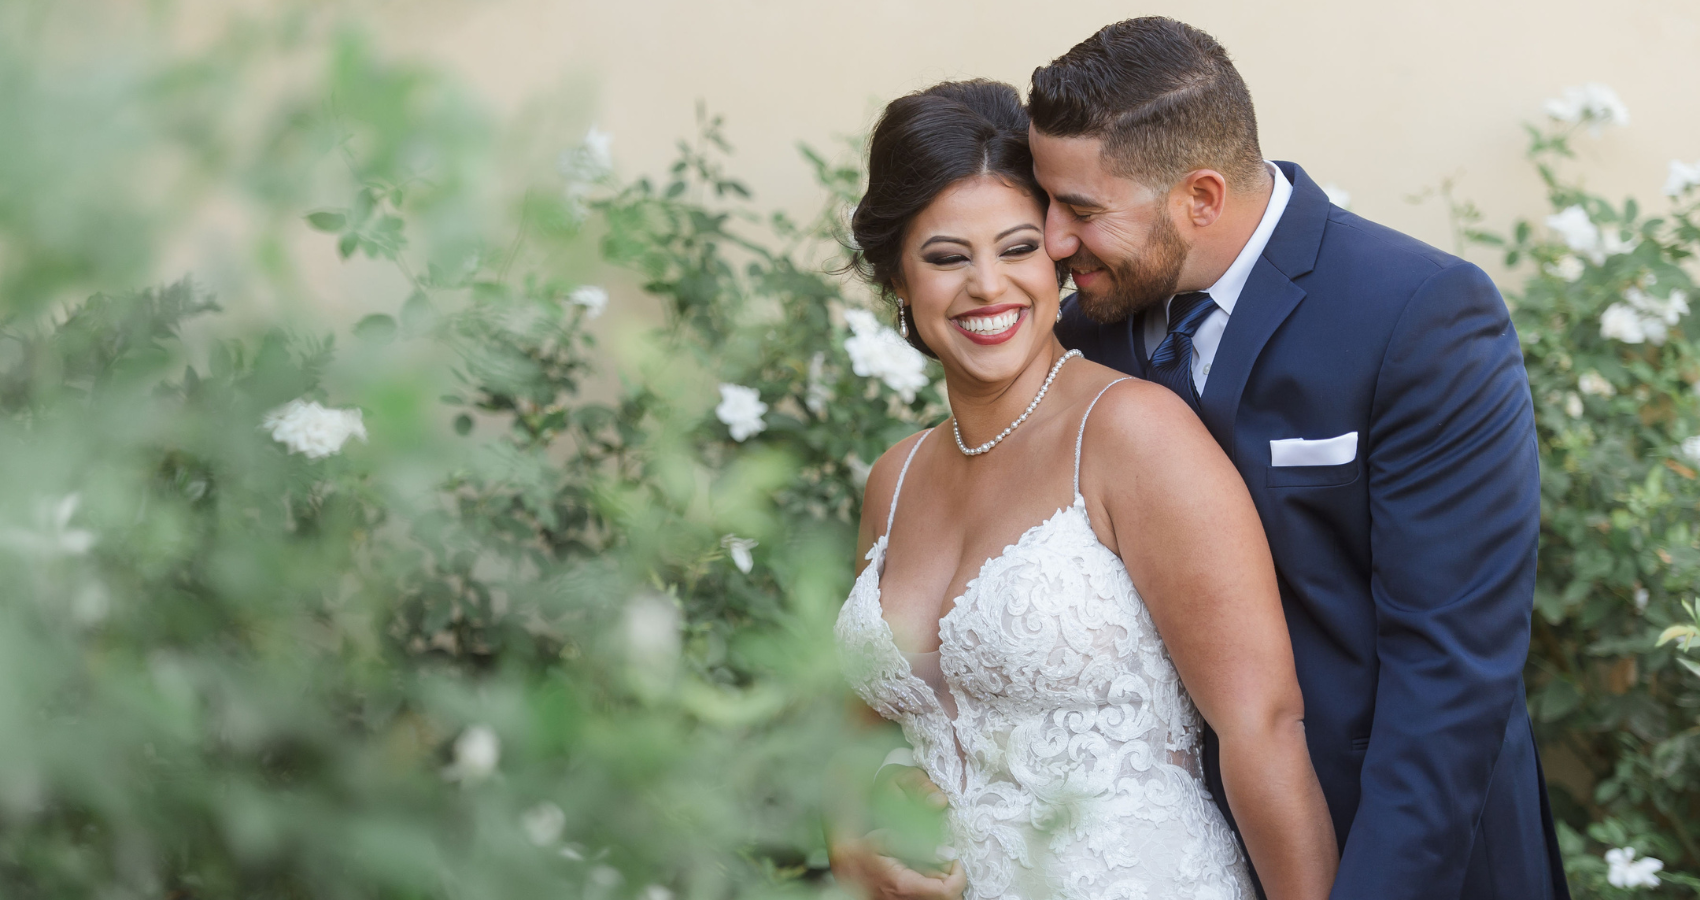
1203,194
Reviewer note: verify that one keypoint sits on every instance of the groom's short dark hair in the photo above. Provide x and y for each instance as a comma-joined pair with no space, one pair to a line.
1161,94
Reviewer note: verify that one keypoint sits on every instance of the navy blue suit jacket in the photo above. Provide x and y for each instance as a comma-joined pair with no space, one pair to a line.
1408,573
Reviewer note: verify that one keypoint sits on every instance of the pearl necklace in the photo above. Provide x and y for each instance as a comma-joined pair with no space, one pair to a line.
1055,368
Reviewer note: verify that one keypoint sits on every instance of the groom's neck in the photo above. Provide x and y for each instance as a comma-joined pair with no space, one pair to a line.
1214,247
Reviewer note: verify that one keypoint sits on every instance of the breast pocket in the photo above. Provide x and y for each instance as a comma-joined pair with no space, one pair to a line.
1303,462
1312,476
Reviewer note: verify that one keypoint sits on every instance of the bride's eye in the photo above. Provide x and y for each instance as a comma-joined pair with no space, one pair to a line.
1021,250
945,259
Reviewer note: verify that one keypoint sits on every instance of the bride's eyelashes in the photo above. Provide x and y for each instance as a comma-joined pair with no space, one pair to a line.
1019,251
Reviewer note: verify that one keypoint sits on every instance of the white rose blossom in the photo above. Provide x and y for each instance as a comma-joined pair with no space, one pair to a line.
819,393
1593,103
306,427
742,410
739,549
1625,871
652,624
1595,384
1568,268
1338,195
543,823
1642,317
878,352
1682,177
594,300
477,751
52,535
1573,405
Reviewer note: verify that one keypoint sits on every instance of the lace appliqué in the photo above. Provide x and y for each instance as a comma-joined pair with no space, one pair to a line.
1078,774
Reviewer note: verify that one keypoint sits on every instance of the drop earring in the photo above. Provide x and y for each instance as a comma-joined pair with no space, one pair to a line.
902,321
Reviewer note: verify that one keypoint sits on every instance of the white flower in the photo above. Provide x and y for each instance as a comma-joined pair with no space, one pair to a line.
740,549
594,300
1578,231
742,410
1691,448
1573,405
306,427
652,623
1641,596
1620,323
1682,177
590,160
655,892
878,352
596,148
1628,872
52,535
477,751
1568,268
859,470
1593,103
1338,195
819,393
543,823
1596,384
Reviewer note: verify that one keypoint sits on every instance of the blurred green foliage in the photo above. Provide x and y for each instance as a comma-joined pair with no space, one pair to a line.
499,650
1602,312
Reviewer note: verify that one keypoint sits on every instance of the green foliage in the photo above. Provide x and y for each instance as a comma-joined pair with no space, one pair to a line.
501,649
1620,526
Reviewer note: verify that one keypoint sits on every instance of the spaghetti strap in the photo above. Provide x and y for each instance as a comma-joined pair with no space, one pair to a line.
891,515
1078,439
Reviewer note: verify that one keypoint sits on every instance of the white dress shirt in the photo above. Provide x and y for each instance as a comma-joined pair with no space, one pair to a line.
1226,290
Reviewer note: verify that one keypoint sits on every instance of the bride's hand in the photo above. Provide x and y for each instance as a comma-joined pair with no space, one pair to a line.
863,870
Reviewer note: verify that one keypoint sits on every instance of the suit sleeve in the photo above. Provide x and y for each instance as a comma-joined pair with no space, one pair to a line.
1454,492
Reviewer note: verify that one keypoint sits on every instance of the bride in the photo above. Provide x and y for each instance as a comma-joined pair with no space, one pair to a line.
1056,701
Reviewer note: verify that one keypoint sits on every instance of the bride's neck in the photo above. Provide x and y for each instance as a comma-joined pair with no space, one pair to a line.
983,409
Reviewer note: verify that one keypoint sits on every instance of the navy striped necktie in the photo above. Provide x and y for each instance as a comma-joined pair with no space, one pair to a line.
1171,363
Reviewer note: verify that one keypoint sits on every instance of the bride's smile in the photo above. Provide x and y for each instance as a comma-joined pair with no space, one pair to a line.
975,278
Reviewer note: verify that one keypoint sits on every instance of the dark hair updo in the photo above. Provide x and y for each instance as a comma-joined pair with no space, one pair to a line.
924,143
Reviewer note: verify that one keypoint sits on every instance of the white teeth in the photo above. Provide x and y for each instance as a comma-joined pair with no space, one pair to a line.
990,324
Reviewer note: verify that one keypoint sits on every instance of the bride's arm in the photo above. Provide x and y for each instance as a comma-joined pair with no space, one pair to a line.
859,863
1184,524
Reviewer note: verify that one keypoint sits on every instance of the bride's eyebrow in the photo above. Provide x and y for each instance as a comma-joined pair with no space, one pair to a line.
947,239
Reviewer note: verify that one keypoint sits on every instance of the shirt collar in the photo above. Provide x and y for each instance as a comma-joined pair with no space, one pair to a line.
1226,290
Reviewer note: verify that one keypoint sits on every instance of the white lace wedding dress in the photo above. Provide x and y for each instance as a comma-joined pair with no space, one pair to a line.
1055,723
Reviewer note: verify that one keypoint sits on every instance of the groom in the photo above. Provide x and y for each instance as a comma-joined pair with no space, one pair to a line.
1371,391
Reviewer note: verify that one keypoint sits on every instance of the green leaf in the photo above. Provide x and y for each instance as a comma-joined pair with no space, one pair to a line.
377,328
326,221
350,242
463,424
416,312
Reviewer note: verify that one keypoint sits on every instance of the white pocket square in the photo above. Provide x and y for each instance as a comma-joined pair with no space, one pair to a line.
1332,451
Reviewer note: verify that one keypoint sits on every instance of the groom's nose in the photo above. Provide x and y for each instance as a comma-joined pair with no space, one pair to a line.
1060,240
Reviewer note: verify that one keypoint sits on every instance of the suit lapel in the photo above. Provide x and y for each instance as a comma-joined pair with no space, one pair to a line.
1136,344
1268,298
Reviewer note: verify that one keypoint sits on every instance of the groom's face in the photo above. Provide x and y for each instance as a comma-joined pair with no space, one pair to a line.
1115,234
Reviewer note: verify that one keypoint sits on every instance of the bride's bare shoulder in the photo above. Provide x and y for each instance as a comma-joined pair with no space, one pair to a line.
882,478
1135,417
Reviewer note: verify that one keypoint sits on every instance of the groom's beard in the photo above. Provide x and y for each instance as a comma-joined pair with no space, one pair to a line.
1136,284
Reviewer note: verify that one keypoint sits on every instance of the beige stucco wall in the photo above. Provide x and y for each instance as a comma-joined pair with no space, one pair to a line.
1383,99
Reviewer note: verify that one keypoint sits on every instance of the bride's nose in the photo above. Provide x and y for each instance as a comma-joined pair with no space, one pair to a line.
986,283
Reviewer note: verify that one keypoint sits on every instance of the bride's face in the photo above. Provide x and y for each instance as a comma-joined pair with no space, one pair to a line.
981,290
